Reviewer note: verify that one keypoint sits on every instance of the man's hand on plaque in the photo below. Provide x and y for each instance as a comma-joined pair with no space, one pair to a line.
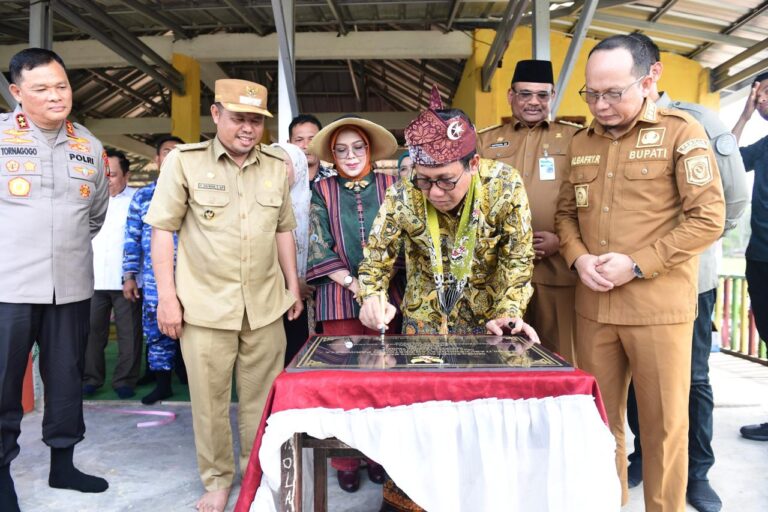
371,314
511,325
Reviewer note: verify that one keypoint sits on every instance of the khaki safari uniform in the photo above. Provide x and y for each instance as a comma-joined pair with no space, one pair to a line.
654,194
53,200
538,154
230,286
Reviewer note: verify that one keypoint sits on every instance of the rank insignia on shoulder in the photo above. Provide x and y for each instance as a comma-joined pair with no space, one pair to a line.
582,195
70,129
21,122
697,170
19,187
692,144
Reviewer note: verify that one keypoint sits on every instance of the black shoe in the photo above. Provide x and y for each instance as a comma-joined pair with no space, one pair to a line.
89,389
148,378
755,432
162,389
635,474
703,497
125,392
349,481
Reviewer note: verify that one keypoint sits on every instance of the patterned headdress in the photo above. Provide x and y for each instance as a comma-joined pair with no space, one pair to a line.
433,141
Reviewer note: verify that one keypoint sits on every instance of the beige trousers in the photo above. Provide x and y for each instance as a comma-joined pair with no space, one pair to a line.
552,312
658,357
211,355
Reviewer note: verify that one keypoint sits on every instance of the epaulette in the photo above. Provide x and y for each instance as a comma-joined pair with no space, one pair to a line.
569,123
277,152
488,128
674,112
194,146
689,107
5,116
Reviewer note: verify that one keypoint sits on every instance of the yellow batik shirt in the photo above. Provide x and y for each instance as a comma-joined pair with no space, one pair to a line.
502,264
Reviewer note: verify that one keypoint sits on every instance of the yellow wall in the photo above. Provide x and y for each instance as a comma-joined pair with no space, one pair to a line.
185,110
683,78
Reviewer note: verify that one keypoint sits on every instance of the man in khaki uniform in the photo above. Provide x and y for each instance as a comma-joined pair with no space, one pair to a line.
229,201
536,147
643,198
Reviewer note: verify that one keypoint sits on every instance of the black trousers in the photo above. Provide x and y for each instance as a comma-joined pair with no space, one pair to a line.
61,332
700,402
757,286
129,339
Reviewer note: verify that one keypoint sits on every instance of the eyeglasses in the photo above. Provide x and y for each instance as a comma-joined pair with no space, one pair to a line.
358,150
442,183
526,96
610,97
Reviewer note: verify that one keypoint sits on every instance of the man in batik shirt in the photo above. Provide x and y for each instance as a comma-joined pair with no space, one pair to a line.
466,226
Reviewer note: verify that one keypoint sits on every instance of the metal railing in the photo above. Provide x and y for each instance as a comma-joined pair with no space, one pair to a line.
734,320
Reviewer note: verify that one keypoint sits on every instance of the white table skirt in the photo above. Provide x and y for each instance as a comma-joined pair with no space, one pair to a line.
530,455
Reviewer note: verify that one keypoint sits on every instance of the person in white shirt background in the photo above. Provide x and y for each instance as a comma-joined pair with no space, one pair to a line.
108,293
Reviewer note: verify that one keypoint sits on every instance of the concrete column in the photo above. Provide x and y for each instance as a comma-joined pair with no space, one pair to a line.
185,110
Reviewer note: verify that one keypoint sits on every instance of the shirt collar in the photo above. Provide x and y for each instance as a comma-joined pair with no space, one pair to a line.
517,124
648,114
219,150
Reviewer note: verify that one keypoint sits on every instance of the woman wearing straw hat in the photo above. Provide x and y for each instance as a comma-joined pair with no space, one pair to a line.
342,211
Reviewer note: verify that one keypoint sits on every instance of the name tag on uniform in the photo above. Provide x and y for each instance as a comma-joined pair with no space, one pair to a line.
546,168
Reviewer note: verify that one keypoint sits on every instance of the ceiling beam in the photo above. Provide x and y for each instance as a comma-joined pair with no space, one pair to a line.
452,13
128,145
754,69
677,30
669,4
721,71
119,48
754,13
504,32
248,17
210,72
335,10
153,14
126,90
427,44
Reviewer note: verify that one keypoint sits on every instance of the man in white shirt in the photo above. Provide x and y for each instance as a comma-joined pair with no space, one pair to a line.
108,293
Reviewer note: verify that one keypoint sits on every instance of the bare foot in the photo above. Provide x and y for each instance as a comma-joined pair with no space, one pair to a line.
213,501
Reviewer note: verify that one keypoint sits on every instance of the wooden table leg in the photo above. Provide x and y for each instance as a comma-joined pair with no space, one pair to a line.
290,475
321,479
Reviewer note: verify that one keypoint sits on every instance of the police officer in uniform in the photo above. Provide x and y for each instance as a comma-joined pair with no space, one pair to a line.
643,198
235,276
53,200
536,147
700,454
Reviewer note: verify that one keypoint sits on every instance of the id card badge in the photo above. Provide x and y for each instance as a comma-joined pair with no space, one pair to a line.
547,168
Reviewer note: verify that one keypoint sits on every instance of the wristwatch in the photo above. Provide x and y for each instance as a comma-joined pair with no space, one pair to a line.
127,277
348,281
636,270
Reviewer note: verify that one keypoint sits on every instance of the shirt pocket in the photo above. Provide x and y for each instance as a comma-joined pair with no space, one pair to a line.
582,180
211,205
268,204
81,183
644,183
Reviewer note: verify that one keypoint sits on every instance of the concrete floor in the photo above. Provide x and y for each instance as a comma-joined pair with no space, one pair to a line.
154,469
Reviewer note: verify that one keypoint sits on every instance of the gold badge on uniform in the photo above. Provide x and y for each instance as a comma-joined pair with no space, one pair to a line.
29,166
650,137
12,165
268,183
85,171
697,170
208,214
19,187
85,191
210,175
80,147
582,195
650,111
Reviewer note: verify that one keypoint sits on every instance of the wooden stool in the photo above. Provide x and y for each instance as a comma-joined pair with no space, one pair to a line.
292,466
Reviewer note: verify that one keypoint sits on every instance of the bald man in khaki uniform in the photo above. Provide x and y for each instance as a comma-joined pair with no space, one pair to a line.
229,201
642,200
536,147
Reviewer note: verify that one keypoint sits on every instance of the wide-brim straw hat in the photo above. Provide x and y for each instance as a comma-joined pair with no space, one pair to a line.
382,143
